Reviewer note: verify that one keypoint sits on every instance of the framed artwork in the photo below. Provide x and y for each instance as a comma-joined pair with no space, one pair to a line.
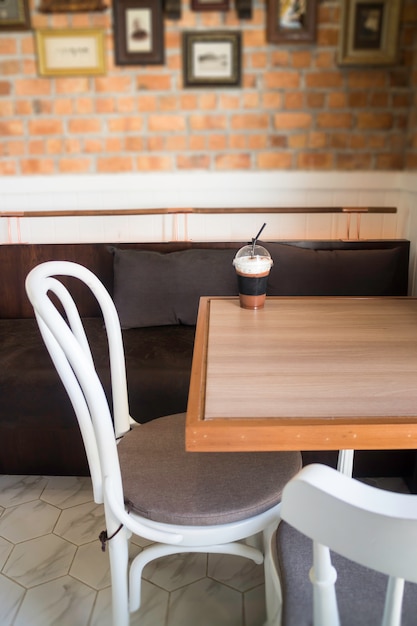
369,32
210,5
211,59
291,21
70,51
138,32
69,6
14,15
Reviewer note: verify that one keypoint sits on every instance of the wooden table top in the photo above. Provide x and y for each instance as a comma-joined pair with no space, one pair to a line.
304,374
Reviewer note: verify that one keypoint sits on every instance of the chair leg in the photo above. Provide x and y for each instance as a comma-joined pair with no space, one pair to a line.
273,594
119,554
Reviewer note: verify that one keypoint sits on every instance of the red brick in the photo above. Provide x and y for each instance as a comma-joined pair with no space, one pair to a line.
75,166
33,87
133,144
238,142
374,120
166,123
334,120
301,58
274,160
233,162
7,168
292,120
282,80
37,166
390,161
14,127
195,162
5,87
208,122
114,164
8,44
325,80
113,84
250,121
315,161
87,125
70,85
153,163
124,124
294,100
158,82
367,79
217,142
354,161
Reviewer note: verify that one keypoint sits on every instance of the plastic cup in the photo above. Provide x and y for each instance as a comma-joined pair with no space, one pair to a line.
252,265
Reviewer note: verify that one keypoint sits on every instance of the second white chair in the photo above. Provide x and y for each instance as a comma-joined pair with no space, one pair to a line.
150,485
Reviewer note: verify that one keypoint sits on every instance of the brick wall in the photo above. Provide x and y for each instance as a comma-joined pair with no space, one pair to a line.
296,110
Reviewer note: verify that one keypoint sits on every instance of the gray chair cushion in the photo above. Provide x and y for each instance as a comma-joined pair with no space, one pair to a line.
165,483
360,591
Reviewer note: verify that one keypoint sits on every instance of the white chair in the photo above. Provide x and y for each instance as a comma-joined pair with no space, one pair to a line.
372,534
150,486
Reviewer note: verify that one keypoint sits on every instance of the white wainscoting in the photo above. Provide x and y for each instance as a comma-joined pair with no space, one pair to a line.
210,190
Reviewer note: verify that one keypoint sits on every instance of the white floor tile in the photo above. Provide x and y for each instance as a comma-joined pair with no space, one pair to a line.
62,602
27,521
39,560
11,596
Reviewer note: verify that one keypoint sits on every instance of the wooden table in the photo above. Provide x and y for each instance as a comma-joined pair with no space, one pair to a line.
304,374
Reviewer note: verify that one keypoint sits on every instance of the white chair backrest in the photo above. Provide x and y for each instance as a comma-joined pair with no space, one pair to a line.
68,346
370,526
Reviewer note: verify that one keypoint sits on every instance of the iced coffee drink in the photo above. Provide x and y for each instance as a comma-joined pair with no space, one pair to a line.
252,264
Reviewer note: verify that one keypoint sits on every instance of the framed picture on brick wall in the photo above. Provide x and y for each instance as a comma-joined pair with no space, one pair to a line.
138,32
211,59
14,15
291,21
70,51
369,32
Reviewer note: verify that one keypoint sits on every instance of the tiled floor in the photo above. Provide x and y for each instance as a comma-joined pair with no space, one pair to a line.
53,572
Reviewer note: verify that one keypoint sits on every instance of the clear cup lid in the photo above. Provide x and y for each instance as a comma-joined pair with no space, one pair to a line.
246,251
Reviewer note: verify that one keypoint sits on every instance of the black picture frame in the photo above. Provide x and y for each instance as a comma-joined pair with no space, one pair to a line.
14,15
210,5
291,21
212,59
138,32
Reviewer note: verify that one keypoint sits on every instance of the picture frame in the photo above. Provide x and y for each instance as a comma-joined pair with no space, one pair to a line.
291,21
14,15
138,32
71,6
210,5
71,51
369,32
212,59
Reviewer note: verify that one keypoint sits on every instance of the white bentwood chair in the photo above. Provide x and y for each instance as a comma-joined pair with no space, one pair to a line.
183,502
372,534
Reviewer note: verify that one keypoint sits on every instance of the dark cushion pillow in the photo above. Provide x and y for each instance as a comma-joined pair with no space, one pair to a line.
154,289
304,272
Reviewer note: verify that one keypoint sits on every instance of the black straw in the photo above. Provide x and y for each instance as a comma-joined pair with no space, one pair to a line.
255,239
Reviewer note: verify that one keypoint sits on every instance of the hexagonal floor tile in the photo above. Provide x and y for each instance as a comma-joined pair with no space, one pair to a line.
18,489
205,603
39,560
235,571
152,612
81,524
91,565
27,521
254,606
64,601
5,548
11,595
68,491
173,572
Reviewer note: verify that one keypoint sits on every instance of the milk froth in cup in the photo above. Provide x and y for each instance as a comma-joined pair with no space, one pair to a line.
252,264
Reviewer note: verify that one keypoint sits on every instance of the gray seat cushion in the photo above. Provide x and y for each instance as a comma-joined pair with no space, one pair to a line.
360,591
165,483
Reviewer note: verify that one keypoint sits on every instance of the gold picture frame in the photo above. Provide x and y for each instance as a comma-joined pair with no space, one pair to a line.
369,32
71,51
